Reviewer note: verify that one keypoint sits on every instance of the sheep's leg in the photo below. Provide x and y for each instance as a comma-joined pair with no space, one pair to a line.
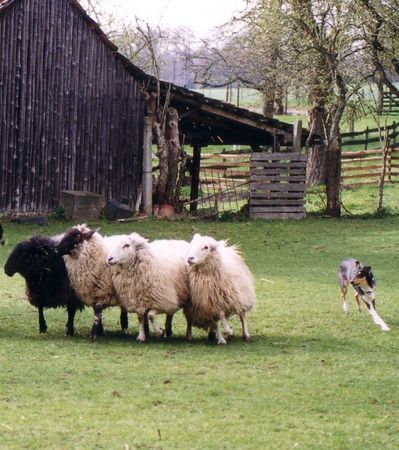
343,296
376,318
227,329
357,300
142,328
168,325
97,328
219,335
124,321
69,328
157,330
42,322
245,334
189,331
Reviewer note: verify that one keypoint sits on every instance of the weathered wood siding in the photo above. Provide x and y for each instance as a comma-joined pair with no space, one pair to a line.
71,117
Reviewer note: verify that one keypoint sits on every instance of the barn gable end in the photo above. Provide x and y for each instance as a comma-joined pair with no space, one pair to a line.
71,116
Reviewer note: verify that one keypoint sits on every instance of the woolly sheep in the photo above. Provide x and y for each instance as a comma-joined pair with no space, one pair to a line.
149,277
84,252
221,285
47,282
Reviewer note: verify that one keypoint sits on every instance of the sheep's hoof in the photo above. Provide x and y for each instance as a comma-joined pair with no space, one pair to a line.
222,342
246,339
229,334
140,340
43,329
212,335
69,332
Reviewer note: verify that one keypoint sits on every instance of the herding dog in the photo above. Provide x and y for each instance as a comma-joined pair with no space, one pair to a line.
362,280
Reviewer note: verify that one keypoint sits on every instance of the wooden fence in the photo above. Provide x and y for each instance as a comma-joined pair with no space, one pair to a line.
370,138
365,166
277,185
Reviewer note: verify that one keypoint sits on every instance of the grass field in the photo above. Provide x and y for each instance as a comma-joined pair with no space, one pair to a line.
311,378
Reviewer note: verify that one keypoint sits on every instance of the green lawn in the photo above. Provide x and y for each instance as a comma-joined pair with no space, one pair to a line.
311,378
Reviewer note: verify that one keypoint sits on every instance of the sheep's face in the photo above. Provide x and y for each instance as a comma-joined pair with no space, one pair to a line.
201,248
72,242
125,250
28,258
18,261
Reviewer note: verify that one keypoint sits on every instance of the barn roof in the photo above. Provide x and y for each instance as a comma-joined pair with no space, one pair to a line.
203,120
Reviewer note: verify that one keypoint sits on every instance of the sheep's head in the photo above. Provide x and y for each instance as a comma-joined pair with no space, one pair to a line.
201,247
73,240
29,257
125,249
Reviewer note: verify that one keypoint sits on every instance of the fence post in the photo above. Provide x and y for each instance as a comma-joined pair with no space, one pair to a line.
195,177
297,137
366,138
389,164
394,125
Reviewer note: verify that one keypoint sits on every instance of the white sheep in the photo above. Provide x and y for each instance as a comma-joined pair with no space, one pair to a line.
221,285
149,277
84,251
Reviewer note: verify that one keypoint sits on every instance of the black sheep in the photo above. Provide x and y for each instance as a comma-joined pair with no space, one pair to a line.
47,282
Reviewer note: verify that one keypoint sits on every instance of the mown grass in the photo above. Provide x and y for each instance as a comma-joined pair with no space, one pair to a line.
310,378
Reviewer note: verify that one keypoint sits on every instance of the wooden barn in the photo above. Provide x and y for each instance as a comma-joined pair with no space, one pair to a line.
72,110
71,116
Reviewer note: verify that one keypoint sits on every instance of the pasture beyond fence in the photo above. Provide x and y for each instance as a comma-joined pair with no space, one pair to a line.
224,185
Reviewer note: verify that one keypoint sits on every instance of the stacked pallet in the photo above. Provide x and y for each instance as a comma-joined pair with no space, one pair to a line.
277,186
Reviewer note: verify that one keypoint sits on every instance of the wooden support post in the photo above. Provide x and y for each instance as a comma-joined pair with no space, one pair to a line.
276,143
147,166
297,137
195,177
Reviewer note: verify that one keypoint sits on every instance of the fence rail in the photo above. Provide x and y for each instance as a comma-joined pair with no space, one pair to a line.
370,137
365,167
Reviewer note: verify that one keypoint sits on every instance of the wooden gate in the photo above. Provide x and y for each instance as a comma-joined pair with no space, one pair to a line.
277,186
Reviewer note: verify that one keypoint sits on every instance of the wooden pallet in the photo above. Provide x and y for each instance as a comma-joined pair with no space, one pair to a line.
277,186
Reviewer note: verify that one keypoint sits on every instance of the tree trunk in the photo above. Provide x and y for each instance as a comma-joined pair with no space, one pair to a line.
174,151
333,176
316,163
380,93
268,104
278,107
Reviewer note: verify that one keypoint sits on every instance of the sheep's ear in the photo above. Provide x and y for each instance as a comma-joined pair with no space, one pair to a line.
137,240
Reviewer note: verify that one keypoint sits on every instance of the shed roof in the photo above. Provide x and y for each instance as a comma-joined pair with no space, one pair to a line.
203,120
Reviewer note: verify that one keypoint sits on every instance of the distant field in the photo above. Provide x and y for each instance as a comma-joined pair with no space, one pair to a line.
252,99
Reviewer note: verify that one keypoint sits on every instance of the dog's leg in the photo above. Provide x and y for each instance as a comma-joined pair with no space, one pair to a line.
343,295
376,318
357,300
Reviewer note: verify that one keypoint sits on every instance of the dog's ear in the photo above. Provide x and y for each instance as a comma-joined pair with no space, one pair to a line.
357,264
367,268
